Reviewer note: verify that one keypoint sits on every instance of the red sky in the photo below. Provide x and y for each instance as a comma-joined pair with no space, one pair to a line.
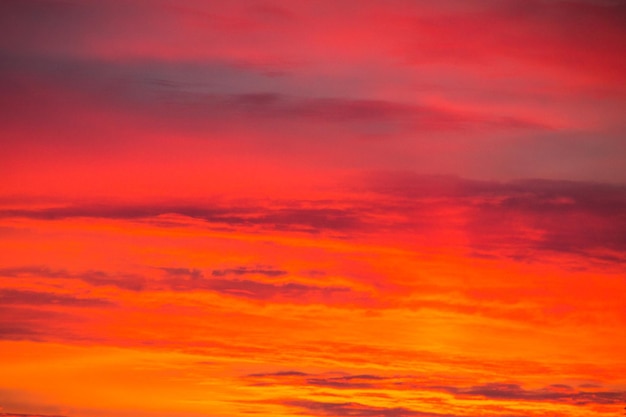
374,208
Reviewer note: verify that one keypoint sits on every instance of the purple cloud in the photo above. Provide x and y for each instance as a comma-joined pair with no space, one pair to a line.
25,297
243,270
97,278
557,393
319,408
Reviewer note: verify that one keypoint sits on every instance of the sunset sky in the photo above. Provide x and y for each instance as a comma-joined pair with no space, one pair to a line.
366,208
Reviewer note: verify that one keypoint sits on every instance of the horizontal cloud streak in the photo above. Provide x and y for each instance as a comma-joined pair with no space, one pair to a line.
320,408
242,270
160,95
24,297
182,279
556,393
297,219
553,393
96,278
518,218
27,415
262,291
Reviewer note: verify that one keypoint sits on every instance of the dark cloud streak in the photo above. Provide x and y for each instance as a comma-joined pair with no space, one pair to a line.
320,408
288,218
96,278
25,297
517,219
556,393
269,272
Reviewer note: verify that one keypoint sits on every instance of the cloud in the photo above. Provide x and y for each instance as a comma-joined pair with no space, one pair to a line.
556,393
348,382
338,381
576,218
278,374
243,270
312,220
25,297
194,273
30,320
97,278
319,408
220,281
379,116
28,415
553,393
181,279
29,271
19,331
131,282
518,217
125,73
233,215
543,33
27,22
265,291
200,98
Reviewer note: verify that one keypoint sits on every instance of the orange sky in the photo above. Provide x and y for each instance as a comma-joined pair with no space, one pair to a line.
316,208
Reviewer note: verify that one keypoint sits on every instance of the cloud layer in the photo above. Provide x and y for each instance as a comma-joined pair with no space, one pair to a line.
317,208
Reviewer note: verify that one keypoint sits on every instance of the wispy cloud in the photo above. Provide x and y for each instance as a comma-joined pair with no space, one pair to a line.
27,415
529,216
263,291
517,219
93,277
320,408
287,218
24,297
243,270
556,393
182,279
553,393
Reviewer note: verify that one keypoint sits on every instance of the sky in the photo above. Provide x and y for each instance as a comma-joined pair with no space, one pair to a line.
372,208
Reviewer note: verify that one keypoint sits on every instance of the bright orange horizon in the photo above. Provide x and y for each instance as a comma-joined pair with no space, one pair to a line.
374,208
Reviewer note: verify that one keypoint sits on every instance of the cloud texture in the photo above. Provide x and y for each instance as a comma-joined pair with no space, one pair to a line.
315,208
